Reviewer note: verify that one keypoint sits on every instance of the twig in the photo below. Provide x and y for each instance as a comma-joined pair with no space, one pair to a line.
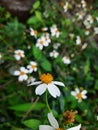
26,114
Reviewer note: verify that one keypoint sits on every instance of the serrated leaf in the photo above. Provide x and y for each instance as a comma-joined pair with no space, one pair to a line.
37,53
36,4
26,106
32,123
46,65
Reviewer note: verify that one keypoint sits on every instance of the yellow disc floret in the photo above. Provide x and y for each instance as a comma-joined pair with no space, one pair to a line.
46,78
79,95
59,129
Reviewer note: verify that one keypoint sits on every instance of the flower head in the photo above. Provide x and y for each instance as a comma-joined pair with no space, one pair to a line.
22,74
54,31
66,60
46,82
54,54
33,32
55,124
78,40
19,54
32,67
79,95
66,6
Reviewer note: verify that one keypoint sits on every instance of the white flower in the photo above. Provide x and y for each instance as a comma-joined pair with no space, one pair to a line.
19,54
78,40
54,31
54,54
66,60
96,30
47,39
55,124
47,83
41,43
79,95
84,4
80,15
56,45
31,80
32,67
87,32
22,74
33,32
66,6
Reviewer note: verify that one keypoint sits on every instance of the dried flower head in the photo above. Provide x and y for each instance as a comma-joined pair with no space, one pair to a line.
69,116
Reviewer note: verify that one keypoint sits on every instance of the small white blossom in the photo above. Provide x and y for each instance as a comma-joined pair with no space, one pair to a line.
47,83
66,6
19,54
55,125
44,29
22,74
33,32
66,60
31,80
87,32
54,54
79,95
84,46
40,43
84,4
32,67
54,31
56,45
78,40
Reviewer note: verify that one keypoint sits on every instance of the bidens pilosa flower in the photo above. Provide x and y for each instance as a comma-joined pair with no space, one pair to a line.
47,83
22,74
55,124
79,95
19,54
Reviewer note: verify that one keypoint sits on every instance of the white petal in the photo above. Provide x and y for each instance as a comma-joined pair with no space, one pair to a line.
25,77
59,83
22,69
53,90
20,78
73,93
84,96
40,89
77,90
75,128
84,92
35,83
53,121
45,127
17,57
16,72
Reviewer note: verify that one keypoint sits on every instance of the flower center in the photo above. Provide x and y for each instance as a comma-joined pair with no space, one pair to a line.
79,95
57,31
46,78
35,32
41,42
33,66
59,129
19,53
22,73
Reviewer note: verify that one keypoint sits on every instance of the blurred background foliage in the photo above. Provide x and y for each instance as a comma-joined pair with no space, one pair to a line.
16,97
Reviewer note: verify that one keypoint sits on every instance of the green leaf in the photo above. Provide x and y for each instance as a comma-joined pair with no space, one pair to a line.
32,20
87,67
36,4
38,15
32,123
14,128
78,118
46,65
37,53
27,106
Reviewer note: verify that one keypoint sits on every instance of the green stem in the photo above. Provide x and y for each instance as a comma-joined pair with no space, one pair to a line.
47,101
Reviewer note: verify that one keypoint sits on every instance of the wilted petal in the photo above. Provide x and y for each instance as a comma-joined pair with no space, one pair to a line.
53,121
45,127
75,128
59,83
40,89
53,90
